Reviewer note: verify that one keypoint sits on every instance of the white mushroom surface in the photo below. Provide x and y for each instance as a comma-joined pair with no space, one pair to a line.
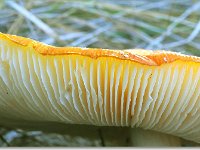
102,91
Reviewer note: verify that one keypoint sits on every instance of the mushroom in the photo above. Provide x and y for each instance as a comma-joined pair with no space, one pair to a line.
153,90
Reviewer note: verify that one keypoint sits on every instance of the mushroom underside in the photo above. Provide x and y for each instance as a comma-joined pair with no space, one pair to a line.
103,91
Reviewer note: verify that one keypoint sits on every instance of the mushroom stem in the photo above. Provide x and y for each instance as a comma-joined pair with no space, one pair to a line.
147,138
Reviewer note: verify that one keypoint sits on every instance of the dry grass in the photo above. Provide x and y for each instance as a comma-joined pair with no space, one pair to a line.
121,24
168,24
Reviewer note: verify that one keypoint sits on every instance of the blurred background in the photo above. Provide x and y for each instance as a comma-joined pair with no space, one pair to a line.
115,24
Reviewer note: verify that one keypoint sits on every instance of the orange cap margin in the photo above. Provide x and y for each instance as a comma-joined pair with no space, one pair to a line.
151,58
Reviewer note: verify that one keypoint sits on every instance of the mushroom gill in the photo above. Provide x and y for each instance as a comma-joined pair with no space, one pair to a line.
156,90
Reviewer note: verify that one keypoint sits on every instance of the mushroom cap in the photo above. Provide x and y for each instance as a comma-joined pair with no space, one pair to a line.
156,90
